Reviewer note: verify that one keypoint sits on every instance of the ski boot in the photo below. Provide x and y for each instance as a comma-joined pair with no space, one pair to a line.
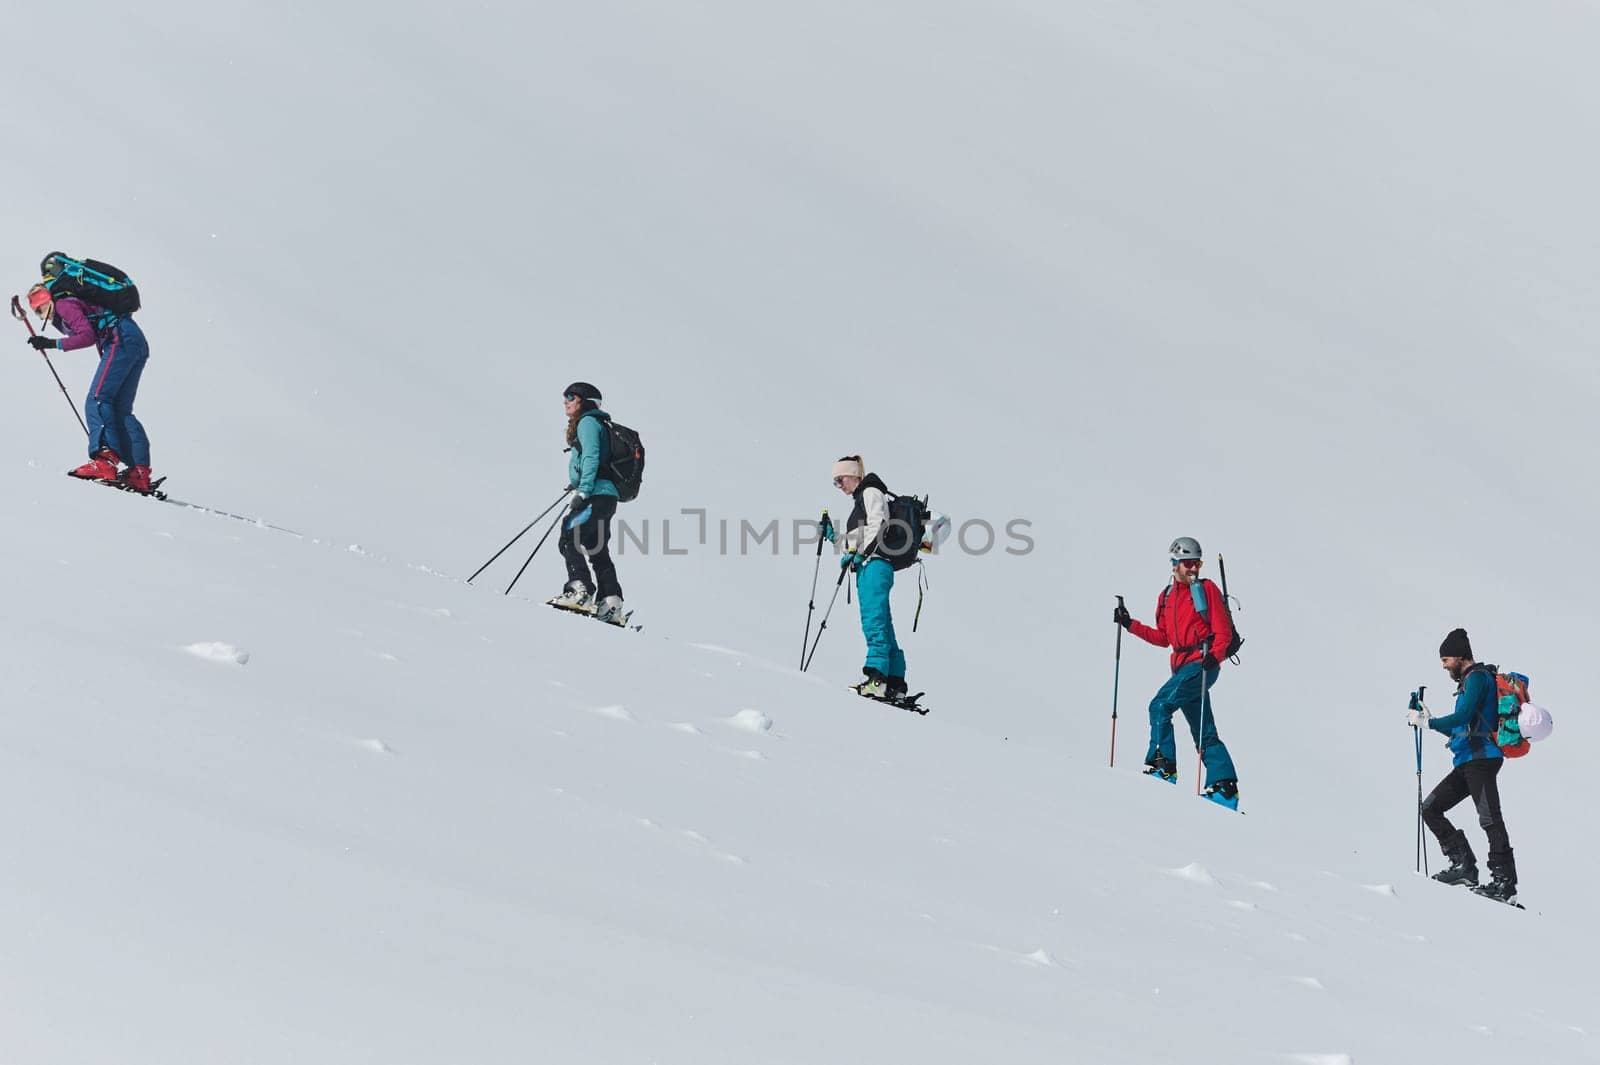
1224,793
876,686
1502,886
102,466
1463,866
610,611
898,689
135,479
1161,768
575,596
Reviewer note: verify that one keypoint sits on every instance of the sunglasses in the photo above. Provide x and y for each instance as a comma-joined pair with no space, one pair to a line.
838,482
1186,563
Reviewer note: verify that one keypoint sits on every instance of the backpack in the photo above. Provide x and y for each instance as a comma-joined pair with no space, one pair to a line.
623,461
96,283
901,537
1202,606
1511,691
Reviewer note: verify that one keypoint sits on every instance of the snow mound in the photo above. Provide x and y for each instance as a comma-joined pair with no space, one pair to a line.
750,720
216,651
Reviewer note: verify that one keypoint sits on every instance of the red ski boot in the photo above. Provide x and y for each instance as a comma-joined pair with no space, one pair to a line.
136,479
102,466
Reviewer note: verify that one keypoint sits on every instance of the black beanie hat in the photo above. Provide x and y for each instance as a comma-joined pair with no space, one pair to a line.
1456,645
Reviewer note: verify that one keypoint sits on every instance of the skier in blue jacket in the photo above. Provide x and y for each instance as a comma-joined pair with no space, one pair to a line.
1475,764
586,529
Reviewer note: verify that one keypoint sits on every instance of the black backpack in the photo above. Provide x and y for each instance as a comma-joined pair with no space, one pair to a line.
96,283
900,538
623,462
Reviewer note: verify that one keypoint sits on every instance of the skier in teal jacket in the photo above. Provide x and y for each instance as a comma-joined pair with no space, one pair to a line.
586,530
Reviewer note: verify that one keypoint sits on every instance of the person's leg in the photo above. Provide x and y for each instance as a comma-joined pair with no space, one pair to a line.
1199,711
572,555
1443,798
1482,782
873,583
131,442
1162,750
596,543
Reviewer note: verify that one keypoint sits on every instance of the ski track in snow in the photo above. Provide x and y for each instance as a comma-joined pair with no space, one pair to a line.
686,728
217,651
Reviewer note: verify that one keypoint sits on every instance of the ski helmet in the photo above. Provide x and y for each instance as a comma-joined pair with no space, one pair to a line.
1184,547
582,390
49,265
39,299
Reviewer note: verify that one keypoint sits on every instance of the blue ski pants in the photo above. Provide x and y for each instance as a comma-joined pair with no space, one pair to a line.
109,406
874,582
1186,692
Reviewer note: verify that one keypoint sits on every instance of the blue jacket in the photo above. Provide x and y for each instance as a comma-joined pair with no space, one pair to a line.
583,462
1476,719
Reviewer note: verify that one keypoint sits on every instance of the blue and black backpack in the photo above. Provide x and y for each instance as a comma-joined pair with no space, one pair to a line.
95,283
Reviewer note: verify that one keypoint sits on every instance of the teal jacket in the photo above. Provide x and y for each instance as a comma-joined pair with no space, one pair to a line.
583,461
1476,719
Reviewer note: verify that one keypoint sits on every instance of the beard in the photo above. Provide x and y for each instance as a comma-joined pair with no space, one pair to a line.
1456,672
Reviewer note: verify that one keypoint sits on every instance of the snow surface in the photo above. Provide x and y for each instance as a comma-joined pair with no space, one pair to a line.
1311,283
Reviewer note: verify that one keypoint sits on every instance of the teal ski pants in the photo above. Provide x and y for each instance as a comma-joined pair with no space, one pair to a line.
1184,692
874,582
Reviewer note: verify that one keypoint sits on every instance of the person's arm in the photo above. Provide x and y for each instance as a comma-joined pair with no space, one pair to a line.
1467,703
80,333
1156,634
591,437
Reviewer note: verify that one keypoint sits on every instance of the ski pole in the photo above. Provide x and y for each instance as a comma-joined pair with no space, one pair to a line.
520,535
824,527
554,522
1116,683
806,664
1422,849
20,315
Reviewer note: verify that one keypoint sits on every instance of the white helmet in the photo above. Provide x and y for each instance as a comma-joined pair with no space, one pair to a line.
1535,722
1184,547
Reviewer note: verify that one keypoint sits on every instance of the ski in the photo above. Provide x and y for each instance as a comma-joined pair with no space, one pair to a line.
154,490
588,612
903,702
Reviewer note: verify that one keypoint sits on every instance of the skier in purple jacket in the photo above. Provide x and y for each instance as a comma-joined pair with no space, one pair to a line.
115,435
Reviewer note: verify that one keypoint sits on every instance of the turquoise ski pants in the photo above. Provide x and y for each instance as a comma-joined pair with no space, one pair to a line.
874,582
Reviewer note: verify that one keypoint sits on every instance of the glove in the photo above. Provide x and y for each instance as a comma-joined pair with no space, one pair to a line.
1418,717
847,561
1121,616
41,343
826,526
578,517
1209,661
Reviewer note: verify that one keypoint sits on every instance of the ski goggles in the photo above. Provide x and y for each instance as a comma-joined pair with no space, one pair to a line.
1187,563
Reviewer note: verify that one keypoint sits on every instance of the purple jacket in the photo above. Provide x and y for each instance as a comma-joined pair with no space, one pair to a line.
76,319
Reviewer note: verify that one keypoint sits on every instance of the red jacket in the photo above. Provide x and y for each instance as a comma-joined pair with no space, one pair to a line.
1183,628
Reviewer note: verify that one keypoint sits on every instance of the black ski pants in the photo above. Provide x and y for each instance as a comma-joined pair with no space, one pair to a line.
1477,779
590,545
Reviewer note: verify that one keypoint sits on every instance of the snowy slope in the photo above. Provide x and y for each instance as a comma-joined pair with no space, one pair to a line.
1311,285
422,822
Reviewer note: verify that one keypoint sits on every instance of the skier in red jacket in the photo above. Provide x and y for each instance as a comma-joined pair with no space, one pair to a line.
1191,618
